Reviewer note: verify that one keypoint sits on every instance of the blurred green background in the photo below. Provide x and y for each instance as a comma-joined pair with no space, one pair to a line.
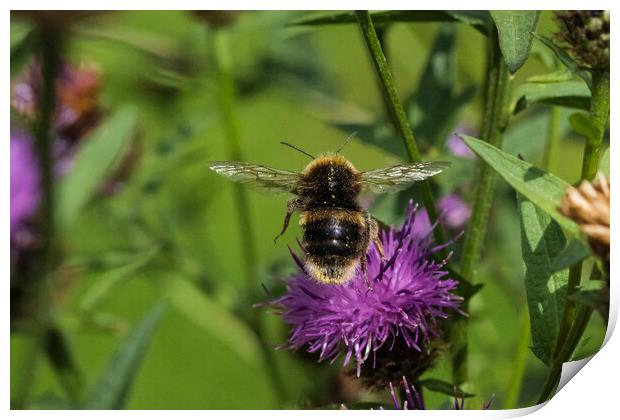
172,230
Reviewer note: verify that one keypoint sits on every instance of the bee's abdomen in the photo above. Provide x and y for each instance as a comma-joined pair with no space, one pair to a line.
333,234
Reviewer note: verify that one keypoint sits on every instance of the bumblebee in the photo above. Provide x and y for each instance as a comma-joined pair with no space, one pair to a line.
337,230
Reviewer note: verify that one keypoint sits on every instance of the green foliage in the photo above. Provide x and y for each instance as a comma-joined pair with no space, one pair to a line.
542,241
212,317
543,189
565,58
575,251
435,108
604,165
583,124
171,230
102,151
515,35
477,19
114,385
570,94
446,388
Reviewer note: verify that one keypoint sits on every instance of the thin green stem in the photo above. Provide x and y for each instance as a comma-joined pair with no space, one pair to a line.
497,86
553,139
518,371
396,111
64,364
574,336
227,99
599,114
38,284
568,315
574,321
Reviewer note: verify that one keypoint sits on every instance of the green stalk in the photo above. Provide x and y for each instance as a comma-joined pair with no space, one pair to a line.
396,111
227,98
518,372
574,336
497,87
599,113
574,321
38,294
553,139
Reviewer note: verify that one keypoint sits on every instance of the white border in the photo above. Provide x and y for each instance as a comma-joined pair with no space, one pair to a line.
591,394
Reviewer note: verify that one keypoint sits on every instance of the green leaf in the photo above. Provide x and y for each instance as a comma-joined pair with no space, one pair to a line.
581,123
112,278
378,134
604,165
437,385
570,94
542,188
562,75
515,29
113,387
100,153
50,401
213,318
597,299
23,45
542,241
576,250
434,108
565,58
478,19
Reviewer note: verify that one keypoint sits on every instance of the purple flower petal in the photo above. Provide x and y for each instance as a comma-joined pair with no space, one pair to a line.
408,294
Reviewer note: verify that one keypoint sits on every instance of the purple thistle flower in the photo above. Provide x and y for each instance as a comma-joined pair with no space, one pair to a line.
455,214
456,146
24,182
410,292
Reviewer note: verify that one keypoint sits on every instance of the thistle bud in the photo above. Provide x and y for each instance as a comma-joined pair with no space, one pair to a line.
588,205
586,32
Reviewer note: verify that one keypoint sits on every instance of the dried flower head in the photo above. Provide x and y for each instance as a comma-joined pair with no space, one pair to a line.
410,293
588,205
587,34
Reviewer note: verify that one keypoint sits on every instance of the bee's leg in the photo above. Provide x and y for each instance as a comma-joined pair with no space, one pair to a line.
364,272
292,205
373,228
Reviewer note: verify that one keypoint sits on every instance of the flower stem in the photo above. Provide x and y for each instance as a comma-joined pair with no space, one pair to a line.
599,113
574,320
512,395
396,111
553,139
227,99
497,95
39,296
574,336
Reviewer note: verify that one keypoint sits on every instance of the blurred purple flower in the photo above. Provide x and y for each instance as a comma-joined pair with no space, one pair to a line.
77,99
455,214
456,146
409,293
24,181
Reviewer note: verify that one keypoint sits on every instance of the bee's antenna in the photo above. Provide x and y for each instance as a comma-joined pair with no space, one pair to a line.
297,148
346,141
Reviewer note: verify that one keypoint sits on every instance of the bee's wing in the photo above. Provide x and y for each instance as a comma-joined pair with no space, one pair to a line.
262,177
399,177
